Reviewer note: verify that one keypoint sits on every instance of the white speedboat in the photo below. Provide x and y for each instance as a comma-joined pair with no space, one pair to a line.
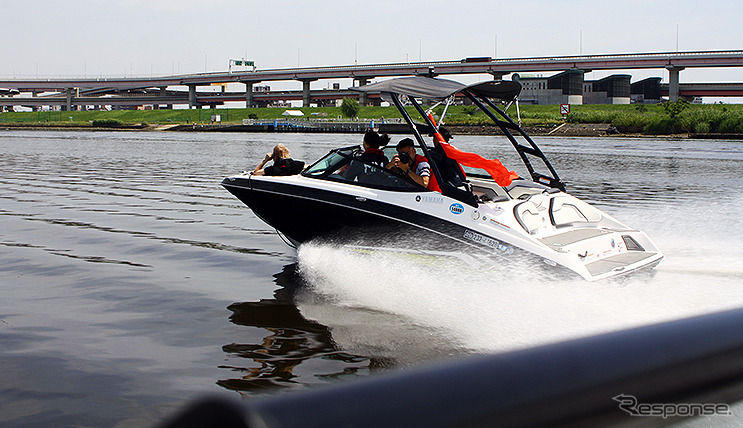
508,219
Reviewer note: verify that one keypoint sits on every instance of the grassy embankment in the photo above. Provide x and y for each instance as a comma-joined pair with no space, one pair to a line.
668,118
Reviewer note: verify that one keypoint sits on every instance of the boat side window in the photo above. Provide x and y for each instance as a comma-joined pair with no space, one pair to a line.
343,166
371,175
329,164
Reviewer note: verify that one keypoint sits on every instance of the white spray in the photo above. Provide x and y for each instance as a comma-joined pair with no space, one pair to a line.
486,310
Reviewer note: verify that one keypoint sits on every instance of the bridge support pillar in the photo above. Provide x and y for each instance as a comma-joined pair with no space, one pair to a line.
164,94
363,99
68,104
192,96
306,98
249,103
673,83
497,75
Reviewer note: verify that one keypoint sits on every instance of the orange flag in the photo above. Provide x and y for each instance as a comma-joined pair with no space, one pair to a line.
494,167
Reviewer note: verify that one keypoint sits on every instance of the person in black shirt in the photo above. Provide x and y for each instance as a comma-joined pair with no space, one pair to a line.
373,154
282,163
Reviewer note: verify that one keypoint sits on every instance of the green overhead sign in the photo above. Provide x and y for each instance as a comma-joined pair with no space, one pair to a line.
245,63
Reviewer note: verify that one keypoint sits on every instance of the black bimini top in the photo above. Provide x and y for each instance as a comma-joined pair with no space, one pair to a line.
440,89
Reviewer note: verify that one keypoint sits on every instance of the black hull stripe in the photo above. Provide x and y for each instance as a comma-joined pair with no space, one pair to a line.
256,194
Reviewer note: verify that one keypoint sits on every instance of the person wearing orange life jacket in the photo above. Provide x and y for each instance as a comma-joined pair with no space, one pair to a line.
415,166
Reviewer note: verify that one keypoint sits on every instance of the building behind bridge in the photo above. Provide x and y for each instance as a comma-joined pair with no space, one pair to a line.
646,91
570,87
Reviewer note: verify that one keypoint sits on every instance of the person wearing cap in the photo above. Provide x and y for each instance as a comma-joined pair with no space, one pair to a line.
407,162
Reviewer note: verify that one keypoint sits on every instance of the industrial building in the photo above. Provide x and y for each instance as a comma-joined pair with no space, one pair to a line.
570,87
646,91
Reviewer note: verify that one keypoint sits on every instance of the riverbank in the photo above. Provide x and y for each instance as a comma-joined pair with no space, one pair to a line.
678,119
561,130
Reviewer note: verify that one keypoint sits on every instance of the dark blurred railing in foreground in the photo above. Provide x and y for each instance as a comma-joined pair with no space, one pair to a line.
574,383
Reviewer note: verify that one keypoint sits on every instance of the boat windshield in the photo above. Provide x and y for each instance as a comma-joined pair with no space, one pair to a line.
344,165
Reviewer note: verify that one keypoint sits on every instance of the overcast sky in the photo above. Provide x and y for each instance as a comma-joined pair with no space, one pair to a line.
93,38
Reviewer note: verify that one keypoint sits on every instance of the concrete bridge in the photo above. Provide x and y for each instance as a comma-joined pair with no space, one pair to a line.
73,89
691,90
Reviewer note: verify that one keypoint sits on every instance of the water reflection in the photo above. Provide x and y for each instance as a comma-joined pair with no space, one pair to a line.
290,343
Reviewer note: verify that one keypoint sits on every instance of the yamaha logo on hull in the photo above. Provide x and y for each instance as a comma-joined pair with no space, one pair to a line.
456,209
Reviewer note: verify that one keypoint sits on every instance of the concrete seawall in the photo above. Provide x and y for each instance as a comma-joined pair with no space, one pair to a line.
565,130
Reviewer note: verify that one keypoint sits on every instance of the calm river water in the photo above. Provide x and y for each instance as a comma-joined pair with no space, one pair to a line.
131,283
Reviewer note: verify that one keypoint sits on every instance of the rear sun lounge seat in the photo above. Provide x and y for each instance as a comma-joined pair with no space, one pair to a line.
563,211
567,210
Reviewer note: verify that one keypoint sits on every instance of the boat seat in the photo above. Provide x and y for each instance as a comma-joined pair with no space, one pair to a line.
530,218
523,192
532,214
567,214
485,193
567,210
521,189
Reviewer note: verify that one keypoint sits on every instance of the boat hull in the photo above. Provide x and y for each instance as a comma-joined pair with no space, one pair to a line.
303,214
306,209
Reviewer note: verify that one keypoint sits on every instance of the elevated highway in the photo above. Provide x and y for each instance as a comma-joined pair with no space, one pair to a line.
173,98
667,60
691,90
686,90
674,62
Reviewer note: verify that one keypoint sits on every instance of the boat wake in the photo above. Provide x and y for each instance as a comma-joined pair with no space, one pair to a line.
477,308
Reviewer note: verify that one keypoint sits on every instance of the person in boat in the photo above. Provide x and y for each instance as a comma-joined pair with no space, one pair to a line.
373,154
450,169
282,163
416,167
453,175
373,144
